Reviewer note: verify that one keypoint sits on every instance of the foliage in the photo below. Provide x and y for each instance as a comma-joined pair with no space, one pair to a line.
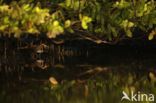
106,19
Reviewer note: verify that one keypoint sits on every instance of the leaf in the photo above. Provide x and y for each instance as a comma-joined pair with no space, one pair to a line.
32,30
76,5
37,10
122,4
114,32
56,23
54,29
151,35
84,25
68,3
70,30
67,23
84,21
53,81
129,33
26,7
3,27
130,24
4,8
124,23
6,20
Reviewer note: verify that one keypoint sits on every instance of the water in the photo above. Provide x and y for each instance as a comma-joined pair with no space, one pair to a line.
98,75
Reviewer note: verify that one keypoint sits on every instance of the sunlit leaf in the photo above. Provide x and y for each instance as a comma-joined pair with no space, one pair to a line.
84,25
129,33
84,21
37,10
55,29
4,8
56,23
6,20
67,23
124,23
26,7
130,24
53,81
151,35
68,3
121,4
3,27
32,30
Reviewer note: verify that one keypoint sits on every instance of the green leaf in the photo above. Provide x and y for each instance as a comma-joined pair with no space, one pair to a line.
54,29
6,20
26,7
4,8
56,23
151,35
68,3
130,24
70,30
67,23
84,25
114,32
129,33
84,21
32,30
3,27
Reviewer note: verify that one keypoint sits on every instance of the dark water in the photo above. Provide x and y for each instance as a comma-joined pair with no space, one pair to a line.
98,75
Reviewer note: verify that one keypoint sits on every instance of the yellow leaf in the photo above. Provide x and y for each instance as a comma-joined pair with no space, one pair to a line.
4,8
68,3
84,21
67,23
124,23
54,31
3,27
145,8
130,24
151,35
53,81
32,30
55,23
37,10
26,7
84,25
129,33
80,16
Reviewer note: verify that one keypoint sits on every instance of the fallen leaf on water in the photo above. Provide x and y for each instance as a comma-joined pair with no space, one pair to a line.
53,81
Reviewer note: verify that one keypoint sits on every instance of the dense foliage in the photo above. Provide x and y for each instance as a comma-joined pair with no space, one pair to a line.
107,20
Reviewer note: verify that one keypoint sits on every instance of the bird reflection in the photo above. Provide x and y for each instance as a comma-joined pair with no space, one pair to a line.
41,48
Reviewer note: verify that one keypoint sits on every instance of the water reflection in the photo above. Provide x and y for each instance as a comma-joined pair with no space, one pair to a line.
40,77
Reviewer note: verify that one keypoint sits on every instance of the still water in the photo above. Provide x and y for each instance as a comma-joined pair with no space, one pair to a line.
70,76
